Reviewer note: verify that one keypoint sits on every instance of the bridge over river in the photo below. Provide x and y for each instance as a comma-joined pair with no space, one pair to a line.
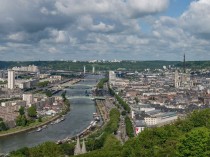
86,97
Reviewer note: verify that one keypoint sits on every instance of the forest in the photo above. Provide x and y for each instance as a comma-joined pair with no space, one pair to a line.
99,66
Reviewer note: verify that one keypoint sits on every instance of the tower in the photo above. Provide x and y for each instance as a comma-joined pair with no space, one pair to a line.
77,149
84,70
93,71
184,64
11,79
177,81
83,151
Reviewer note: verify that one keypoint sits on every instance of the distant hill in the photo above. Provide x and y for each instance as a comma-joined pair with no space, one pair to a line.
78,66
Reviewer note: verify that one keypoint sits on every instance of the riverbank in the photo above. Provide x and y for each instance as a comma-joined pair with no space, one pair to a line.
87,131
28,128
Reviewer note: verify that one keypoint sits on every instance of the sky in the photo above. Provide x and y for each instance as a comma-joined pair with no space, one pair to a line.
104,29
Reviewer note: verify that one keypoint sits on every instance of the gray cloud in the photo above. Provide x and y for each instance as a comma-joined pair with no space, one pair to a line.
105,29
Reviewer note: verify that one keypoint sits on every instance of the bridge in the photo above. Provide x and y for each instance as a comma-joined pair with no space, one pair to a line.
77,84
86,85
86,97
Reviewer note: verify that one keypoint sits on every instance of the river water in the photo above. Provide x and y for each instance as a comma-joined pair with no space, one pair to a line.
76,120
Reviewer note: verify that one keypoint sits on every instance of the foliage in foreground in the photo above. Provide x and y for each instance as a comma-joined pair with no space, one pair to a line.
188,137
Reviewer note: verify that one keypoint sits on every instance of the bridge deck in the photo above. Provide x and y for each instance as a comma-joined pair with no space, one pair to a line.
85,97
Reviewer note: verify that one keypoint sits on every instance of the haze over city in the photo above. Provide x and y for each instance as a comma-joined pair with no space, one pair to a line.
105,29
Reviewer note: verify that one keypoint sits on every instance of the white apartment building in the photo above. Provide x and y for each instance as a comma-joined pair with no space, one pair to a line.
11,79
28,98
112,77
30,68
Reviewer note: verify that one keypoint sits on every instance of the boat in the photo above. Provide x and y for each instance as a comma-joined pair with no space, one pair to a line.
63,118
97,118
44,126
39,129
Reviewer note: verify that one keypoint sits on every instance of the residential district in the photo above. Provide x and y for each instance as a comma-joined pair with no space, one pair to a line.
160,97
25,87
155,97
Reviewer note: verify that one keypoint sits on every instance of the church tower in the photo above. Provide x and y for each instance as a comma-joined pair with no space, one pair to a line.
83,148
77,149
177,80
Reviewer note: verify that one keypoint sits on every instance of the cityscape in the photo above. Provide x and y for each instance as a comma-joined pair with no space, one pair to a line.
124,78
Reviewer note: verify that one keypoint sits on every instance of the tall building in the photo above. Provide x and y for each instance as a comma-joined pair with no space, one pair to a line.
93,71
177,80
84,70
112,77
11,79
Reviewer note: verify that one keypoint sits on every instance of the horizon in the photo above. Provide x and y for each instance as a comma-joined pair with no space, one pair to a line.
91,29
98,61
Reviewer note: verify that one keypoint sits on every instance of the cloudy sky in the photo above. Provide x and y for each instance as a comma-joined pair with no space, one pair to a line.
104,29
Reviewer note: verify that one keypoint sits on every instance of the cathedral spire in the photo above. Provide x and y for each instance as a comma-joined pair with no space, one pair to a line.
83,148
77,149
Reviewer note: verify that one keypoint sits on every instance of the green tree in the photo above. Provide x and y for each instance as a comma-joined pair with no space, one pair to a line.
47,149
112,143
195,143
136,99
40,119
21,120
32,111
48,93
129,127
21,111
43,84
3,126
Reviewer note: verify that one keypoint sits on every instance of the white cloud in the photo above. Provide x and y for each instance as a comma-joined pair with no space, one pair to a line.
19,36
197,18
83,29
140,8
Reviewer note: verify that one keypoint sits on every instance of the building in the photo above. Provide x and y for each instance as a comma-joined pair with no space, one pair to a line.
2,74
112,77
78,150
25,84
28,98
140,126
84,70
30,68
159,118
11,79
177,79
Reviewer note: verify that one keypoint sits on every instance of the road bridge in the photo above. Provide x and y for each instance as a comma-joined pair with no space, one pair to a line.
86,97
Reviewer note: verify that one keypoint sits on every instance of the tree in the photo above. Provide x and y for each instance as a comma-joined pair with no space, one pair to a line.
21,111
40,119
47,149
32,111
63,95
136,99
3,126
129,127
43,84
195,143
48,93
21,120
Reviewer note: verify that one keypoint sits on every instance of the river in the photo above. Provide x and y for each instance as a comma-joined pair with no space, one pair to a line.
76,120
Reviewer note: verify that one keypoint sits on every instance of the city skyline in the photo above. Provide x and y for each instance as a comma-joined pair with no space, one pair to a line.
91,29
